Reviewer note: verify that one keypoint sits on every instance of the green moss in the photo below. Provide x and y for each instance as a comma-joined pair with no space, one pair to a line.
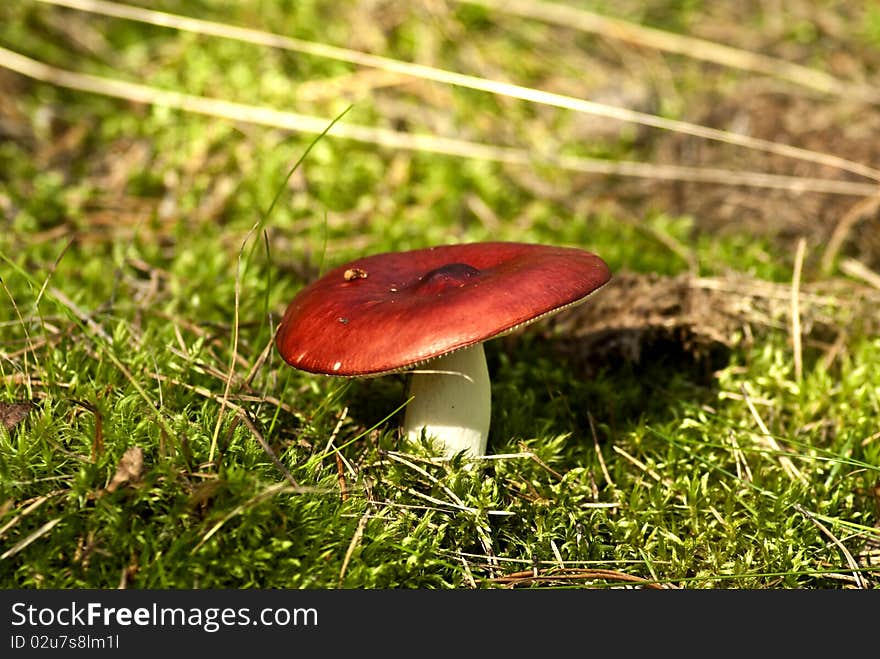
130,255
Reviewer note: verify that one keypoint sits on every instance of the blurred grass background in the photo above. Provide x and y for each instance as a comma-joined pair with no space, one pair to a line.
143,279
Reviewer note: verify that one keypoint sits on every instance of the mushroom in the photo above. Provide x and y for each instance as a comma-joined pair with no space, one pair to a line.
428,311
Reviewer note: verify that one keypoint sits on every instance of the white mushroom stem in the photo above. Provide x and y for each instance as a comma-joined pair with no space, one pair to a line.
451,402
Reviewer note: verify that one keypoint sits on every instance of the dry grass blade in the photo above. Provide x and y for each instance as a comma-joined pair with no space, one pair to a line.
714,175
641,466
36,535
462,80
536,563
859,270
770,442
301,123
355,540
81,314
30,346
456,500
598,450
267,449
693,47
341,462
743,472
468,574
28,509
537,460
862,210
528,577
859,579
232,359
266,494
245,418
258,364
482,532
796,310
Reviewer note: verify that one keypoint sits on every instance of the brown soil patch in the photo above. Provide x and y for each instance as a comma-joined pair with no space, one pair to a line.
640,317
835,127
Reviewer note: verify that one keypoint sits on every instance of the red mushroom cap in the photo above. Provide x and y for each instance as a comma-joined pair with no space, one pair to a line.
389,312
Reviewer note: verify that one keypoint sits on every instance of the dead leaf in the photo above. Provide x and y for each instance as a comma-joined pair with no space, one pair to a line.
130,469
11,414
